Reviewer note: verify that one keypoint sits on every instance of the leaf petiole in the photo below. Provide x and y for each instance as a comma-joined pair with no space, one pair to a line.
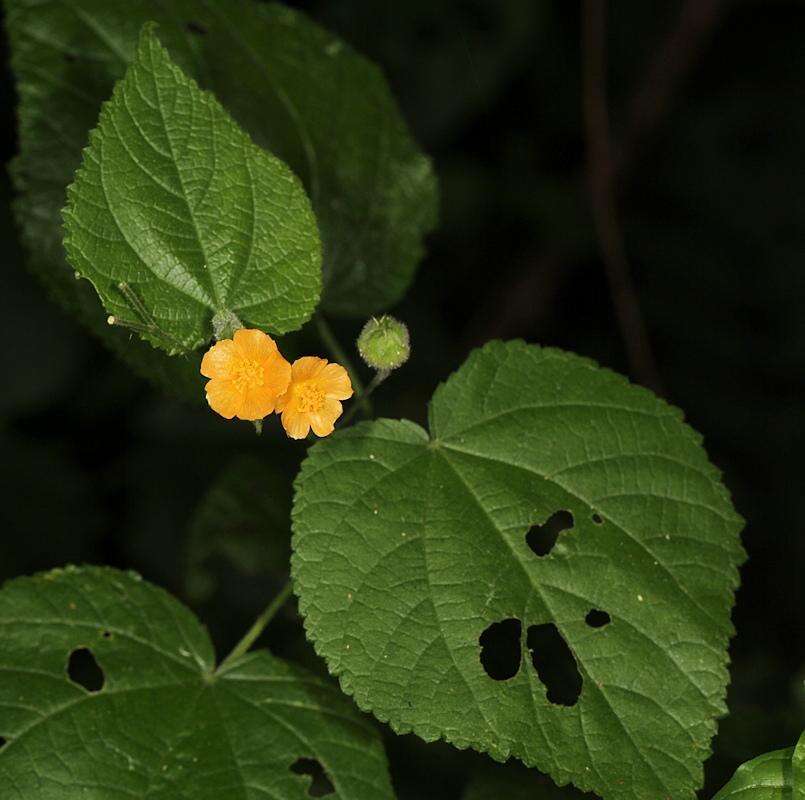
379,377
259,625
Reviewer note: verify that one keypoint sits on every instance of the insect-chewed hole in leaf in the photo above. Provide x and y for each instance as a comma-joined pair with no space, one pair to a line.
598,519
2,742
554,663
597,618
107,634
500,649
196,27
542,538
83,669
320,784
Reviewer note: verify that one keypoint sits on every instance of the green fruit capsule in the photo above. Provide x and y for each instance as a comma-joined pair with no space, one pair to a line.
384,343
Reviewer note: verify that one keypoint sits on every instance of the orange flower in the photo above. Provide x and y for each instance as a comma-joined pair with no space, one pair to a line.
247,375
312,399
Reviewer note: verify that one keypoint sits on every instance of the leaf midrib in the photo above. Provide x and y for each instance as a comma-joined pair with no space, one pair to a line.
180,81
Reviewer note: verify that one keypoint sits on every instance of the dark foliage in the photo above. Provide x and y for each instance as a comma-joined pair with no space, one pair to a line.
99,467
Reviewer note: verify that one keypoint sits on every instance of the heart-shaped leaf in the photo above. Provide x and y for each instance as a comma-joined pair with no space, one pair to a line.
108,689
779,775
176,215
548,574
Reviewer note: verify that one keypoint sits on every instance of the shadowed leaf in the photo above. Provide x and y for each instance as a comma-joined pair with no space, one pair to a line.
160,720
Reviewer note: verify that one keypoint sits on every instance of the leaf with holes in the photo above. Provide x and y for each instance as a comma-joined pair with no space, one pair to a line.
176,215
413,555
108,687
779,775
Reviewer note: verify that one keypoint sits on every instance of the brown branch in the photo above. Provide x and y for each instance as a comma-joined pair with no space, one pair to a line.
601,177
665,75
528,297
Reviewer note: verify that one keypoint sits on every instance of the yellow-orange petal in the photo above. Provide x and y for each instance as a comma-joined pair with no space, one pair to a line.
254,345
256,403
335,383
283,401
287,399
224,397
323,421
307,367
276,375
296,424
219,360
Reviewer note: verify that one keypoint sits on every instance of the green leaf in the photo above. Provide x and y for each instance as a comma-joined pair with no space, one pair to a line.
772,776
310,99
166,723
408,546
244,520
176,215
67,57
798,768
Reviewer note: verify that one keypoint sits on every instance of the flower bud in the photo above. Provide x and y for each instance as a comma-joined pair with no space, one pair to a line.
384,343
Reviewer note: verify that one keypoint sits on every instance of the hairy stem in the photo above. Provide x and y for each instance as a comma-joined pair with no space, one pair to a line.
672,63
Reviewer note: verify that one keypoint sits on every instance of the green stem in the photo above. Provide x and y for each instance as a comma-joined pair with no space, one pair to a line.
379,377
260,624
340,355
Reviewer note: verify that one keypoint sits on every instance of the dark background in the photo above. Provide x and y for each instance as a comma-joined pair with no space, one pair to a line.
99,467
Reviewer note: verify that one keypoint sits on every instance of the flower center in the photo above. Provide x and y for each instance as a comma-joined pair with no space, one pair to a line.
248,374
309,398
